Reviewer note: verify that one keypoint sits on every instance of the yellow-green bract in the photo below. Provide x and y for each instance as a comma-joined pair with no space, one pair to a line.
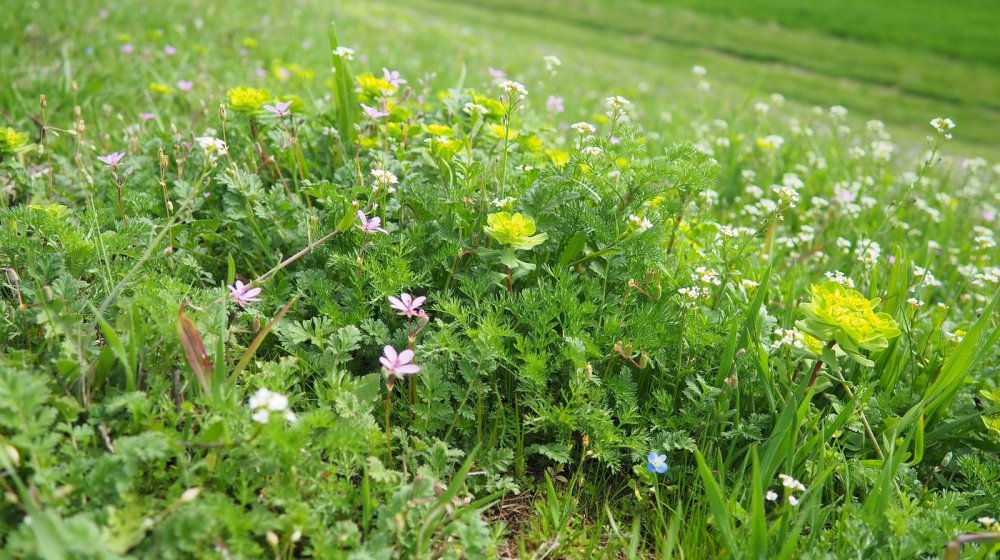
514,230
844,315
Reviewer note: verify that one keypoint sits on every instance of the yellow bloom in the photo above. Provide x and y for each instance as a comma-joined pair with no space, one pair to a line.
11,140
250,42
159,88
371,87
514,230
438,130
498,131
837,313
247,100
559,158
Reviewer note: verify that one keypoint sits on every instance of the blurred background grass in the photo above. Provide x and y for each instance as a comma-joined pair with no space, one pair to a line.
902,62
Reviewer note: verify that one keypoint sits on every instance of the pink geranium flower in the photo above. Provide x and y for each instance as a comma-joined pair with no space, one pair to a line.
373,113
370,226
396,365
112,159
279,109
407,305
243,294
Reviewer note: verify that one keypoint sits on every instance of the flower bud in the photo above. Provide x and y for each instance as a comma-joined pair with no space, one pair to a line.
190,494
272,539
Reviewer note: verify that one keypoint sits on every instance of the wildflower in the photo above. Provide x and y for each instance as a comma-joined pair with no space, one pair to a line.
656,463
771,496
792,500
190,495
641,224
475,109
844,315
159,88
213,147
943,126
583,128
915,303
514,230
396,365
247,100
551,63
698,70
243,294
772,142
113,159
706,276
11,140
127,48
185,85
592,151
839,277
514,90
791,483
554,104
392,76
496,74
370,226
787,337
384,178
693,295
617,102
838,112
169,50
344,53
264,402
373,113
407,305
986,520
147,116
279,109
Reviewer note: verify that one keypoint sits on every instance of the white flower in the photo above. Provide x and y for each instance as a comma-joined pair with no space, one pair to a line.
698,70
514,89
583,128
475,109
788,337
592,151
793,500
791,483
641,224
503,202
190,494
617,102
344,53
384,178
551,62
916,303
213,147
771,496
840,278
986,520
838,112
943,125
264,402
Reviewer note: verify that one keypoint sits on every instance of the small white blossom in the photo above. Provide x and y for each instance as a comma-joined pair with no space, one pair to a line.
344,53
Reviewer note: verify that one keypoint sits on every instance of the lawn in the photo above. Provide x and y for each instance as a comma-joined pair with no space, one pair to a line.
483,279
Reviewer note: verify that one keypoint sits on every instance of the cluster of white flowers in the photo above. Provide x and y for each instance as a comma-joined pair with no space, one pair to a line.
693,295
475,109
984,238
944,126
787,337
640,224
265,402
515,90
504,202
771,142
551,63
616,103
384,178
583,128
867,251
792,486
344,53
706,276
592,151
214,147
840,278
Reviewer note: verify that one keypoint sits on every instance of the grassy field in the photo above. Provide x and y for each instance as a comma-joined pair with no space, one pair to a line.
499,279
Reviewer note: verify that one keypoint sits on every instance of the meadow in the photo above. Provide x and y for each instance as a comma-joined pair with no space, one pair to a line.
564,279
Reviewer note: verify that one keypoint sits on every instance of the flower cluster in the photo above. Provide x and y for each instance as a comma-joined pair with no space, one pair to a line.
264,403
843,315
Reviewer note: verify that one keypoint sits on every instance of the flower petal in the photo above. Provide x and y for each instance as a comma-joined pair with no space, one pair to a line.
406,356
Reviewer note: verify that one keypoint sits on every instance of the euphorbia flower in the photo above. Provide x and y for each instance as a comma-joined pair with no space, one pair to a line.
243,294
837,313
407,305
112,159
370,226
279,109
514,230
396,365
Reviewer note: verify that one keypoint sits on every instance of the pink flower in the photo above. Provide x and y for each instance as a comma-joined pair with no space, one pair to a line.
554,104
373,113
171,51
392,76
497,74
243,294
407,305
261,73
279,109
989,215
398,365
185,85
147,116
112,159
127,48
370,226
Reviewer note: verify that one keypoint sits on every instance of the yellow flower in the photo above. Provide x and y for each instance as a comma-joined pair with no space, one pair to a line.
11,140
250,42
532,144
498,131
837,313
371,87
159,88
247,100
559,158
514,230
439,130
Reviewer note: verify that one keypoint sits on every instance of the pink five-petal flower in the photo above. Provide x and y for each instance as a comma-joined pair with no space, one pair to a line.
407,305
398,364
185,85
243,294
373,113
112,159
370,226
279,109
392,76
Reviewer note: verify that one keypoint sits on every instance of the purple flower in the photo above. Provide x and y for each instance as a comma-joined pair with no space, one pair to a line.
185,85
171,51
147,116
392,76
397,365
243,294
554,104
407,305
112,159
370,226
373,113
497,74
279,109
127,48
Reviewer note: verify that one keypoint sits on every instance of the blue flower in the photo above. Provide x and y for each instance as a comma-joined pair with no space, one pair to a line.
656,463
